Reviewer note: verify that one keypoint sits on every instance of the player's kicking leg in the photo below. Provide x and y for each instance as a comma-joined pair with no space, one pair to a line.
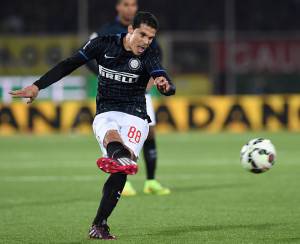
112,188
121,137
118,163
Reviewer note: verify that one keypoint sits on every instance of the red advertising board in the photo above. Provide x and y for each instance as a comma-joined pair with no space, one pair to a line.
274,56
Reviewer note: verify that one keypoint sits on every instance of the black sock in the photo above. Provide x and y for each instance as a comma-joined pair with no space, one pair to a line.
116,150
111,193
150,156
113,186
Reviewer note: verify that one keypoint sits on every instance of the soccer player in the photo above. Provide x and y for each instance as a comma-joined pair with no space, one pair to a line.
126,10
126,63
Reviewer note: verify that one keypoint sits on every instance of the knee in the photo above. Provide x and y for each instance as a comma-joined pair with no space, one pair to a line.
111,136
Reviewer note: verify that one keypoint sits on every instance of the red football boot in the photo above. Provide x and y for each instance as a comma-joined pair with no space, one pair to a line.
120,165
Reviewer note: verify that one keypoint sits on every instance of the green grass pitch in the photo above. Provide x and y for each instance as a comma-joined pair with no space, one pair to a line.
50,189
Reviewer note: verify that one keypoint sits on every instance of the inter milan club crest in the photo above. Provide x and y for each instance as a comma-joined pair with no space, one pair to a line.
134,64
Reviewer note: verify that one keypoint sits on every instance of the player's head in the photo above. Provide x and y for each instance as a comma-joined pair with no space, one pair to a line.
142,32
126,10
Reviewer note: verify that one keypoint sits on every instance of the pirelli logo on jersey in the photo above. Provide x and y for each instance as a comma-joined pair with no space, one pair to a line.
118,76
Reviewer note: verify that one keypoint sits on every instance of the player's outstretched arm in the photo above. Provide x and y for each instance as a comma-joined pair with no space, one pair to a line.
59,71
89,51
164,86
93,67
30,92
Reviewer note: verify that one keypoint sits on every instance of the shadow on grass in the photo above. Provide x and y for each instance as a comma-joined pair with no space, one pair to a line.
44,203
286,240
179,230
206,187
217,228
193,188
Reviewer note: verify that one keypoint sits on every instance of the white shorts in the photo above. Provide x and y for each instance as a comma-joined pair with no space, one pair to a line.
150,109
132,129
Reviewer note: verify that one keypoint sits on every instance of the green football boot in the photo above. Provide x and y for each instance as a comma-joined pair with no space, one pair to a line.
128,190
155,188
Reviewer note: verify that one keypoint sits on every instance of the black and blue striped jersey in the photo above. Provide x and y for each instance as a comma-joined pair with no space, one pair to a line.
122,78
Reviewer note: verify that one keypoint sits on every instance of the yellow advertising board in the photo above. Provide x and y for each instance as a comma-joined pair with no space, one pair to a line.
208,113
230,113
34,55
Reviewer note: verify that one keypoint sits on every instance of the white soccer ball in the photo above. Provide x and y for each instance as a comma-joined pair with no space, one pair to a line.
258,155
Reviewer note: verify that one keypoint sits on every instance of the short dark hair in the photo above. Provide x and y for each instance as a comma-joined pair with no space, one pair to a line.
120,1
145,18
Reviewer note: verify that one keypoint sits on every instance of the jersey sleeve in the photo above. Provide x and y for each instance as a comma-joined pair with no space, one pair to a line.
155,45
60,70
93,48
153,66
88,52
155,69
92,64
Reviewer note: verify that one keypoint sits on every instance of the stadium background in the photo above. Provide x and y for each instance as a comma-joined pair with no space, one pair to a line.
236,65
210,48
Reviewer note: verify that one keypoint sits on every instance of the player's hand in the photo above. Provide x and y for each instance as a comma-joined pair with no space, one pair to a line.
30,92
162,84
